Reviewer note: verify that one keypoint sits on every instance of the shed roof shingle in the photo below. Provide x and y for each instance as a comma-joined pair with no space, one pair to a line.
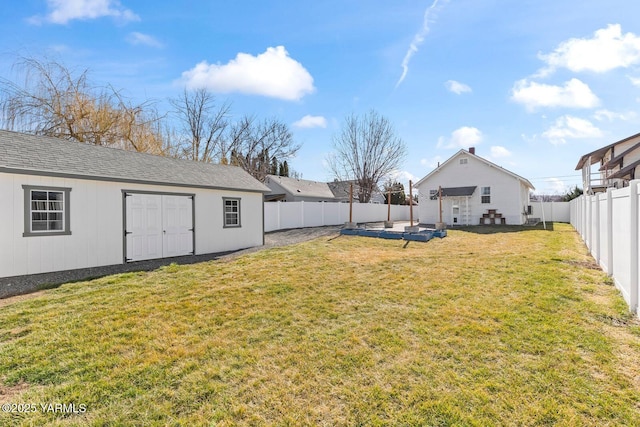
42,155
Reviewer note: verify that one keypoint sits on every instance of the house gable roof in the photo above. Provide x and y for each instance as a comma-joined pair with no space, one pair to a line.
341,190
42,155
598,154
525,181
302,187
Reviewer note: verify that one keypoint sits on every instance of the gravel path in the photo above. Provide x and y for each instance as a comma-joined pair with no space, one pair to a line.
14,288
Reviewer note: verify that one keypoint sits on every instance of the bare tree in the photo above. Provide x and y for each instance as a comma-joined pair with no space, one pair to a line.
367,150
204,126
53,100
254,144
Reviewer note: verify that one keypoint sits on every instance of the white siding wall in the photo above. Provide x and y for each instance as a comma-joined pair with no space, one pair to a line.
96,214
96,228
507,192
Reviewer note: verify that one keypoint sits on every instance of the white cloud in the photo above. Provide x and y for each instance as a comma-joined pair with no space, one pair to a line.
463,137
311,122
457,87
404,177
418,39
635,81
554,186
63,11
136,38
607,50
272,73
574,94
498,151
602,115
571,127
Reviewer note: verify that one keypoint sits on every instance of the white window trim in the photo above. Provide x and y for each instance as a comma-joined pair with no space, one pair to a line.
224,212
487,194
28,217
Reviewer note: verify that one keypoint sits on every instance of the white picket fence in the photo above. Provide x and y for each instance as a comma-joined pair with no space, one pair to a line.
608,224
284,215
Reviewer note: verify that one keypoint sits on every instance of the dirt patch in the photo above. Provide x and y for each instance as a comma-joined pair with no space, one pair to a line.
585,264
8,392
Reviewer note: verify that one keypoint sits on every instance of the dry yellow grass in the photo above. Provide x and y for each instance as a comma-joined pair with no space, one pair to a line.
505,328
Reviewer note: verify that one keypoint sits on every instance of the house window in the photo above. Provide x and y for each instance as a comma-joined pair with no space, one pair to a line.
485,195
464,161
46,211
433,194
231,212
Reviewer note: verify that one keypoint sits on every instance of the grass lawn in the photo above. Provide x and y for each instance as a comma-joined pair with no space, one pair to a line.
480,328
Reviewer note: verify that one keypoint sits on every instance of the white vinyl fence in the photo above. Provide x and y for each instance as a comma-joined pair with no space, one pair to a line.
551,211
284,215
608,224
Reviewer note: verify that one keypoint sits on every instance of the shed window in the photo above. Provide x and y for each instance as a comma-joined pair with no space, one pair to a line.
485,195
231,212
46,211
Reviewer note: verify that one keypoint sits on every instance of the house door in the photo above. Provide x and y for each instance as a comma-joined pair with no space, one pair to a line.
455,214
158,226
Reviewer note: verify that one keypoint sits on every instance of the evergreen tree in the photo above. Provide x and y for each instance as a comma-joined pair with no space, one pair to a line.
284,169
398,196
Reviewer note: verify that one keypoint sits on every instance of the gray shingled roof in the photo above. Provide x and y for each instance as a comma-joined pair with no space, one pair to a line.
455,192
303,187
42,155
341,190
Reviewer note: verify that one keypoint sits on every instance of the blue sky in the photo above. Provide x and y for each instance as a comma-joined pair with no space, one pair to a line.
532,85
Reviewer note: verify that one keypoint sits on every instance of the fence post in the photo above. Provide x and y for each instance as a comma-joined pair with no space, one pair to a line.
583,229
302,212
610,231
633,250
590,223
596,237
278,215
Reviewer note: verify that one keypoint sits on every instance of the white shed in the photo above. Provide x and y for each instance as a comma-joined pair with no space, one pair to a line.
67,205
474,191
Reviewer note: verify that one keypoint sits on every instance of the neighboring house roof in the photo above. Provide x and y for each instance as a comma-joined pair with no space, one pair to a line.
341,191
456,192
485,161
598,154
302,187
43,155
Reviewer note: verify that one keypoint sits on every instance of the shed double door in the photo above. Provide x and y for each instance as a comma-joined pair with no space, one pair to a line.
158,226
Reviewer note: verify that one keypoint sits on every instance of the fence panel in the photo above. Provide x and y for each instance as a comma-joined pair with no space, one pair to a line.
609,224
313,214
285,215
621,241
553,211
603,231
291,215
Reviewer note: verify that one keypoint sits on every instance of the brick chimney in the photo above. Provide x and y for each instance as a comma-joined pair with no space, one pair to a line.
472,150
